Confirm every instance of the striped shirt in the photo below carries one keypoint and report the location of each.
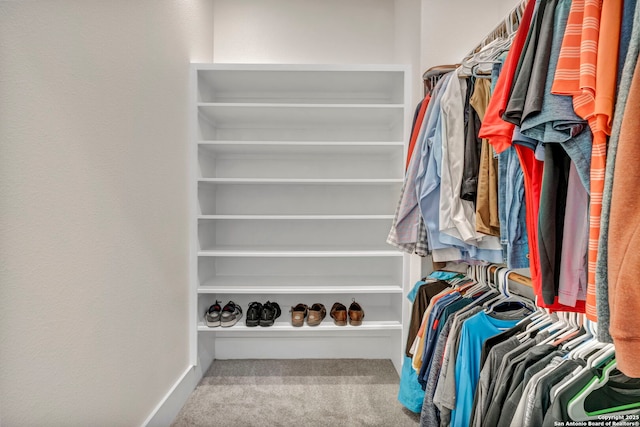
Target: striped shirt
(587, 71)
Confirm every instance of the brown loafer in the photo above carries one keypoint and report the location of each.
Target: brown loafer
(356, 314)
(298, 314)
(339, 314)
(316, 314)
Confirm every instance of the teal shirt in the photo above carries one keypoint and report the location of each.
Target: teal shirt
(473, 334)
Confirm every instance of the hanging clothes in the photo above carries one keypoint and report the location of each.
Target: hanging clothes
(496, 130)
(630, 39)
(515, 169)
(487, 216)
(454, 330)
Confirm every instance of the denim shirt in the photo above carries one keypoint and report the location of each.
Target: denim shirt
(512, 210)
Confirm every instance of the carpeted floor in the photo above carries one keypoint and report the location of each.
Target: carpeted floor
(301, 393)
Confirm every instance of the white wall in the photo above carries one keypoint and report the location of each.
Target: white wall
(407, 24)
(304, 31)
(93, 217)
(451, 28)
(93, 174)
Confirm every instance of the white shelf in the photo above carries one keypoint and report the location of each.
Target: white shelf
(300, 122)
(296, 174)
(286, 235)
(326, 326)
(269, 149)
(274, 253)
(297, 115)
(276, 161)
(299, 181)
(301, 284)
(329, 145)
(300, 290)
(297, 198)
(276, 105)
(308, 84)
(304, 274)
(295, 217)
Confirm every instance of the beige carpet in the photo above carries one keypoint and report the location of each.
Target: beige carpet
(319, 392)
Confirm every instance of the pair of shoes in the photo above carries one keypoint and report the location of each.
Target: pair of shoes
(340, 315)
(314, 314)
(225, 317)
(262, 314)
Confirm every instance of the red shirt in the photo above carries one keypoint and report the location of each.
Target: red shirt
(496, 130)
(416, 128)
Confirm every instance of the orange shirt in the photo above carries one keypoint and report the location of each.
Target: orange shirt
(624, 256)
(416, 128)
(567, 78)
(587, 71)
(600, 122)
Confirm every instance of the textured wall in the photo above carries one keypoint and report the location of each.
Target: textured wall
(93, 206)
(93, 174)
(304, 31)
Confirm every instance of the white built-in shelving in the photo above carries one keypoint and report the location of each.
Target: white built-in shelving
(296, 174)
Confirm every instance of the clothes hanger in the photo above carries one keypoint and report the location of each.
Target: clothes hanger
(599, 356)
(495, 44)
(557, 328)
(493, 285)
(534, 317)
(502, 277)
(480, 285)
(537, 326)
(590, 345)
(576, 410)
(572, 333)
(571, 329)
(543, 322)
(573, 343)
(602, 357)
(581, 351)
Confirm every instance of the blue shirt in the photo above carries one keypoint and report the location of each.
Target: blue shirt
(430, 333)
(473, 334)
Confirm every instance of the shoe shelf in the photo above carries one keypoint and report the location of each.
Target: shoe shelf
(296, 174)
(380, 311)
(282, 326)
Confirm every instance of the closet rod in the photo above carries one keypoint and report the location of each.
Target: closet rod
(509, 23)
(513, 18)
(515, 277)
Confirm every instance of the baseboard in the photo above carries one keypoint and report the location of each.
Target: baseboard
(169, 407)
(165, 412)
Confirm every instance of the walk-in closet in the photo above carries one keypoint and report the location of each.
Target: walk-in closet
(319, 213)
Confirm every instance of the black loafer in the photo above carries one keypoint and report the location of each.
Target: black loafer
(253, 314)
(270, 312)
